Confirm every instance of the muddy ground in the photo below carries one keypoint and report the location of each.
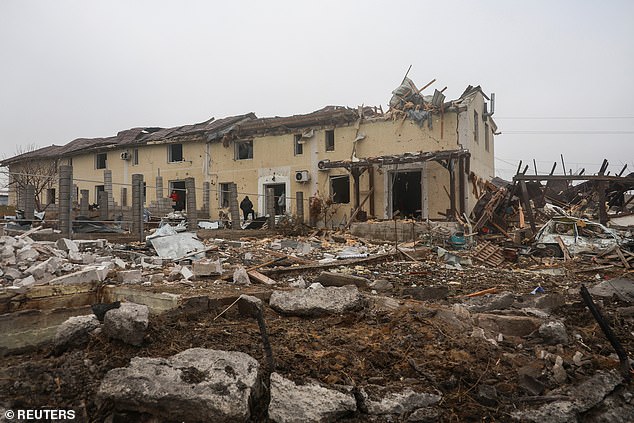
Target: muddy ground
(394, 342)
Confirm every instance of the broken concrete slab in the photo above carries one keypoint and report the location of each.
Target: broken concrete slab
(44, 268)
(341, 279)
(74, 332)
(240, 276)
(28, 281)
(397, 403)
(130, 276)
(381, 285)
(26, 254)
(307, 403)
(206, 267)
(127, 323)
(507, 325)
(620, 287)
(583, 397)
(157, 302)
(196, 385)
(67, 245)
(491, 302)
(425, 293)
(90, 274)
(317, 302)
(177, 246)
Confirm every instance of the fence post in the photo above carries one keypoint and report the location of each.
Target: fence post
(233, 206)
(65, 200)
(192, 212)
(299, 198)
(103, 205)
(206, 199)
(137, 205)
(29, 202)
(270, 206)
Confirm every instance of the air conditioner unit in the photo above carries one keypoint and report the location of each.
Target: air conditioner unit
(302, 176)
(125, 156)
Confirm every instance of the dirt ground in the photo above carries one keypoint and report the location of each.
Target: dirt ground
(389, 344)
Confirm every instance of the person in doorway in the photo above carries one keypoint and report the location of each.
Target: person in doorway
(281, 204)
(247, 207)
(174, 197)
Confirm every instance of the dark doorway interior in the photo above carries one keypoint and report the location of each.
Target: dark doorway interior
(406, 195)
(279, 191)
(179, 187)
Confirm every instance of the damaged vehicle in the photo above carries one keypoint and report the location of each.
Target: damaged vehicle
(578, 236)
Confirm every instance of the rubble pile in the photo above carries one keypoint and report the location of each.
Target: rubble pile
(336, 328)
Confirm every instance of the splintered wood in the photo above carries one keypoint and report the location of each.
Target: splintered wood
(488, 253)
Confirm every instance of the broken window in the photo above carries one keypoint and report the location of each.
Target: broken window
(476, 131)
(330, 140)
(101, 160)
(486, 136)
(340, 189)
(244, 150)
(175, 153)
(98, 189)
(50, 195)
(135, 156)
(299, 145)
(224, 195)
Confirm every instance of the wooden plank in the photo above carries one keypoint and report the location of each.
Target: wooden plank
(563, 247)
(259, 277)
(626, 264)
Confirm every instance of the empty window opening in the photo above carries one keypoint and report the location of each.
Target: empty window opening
(101, 160)
(406, 195)
(135, 156)
(178, 194)
(98, 190)
(244, 150)
(340, 189)
(330, 140)
(175, 153)
(486, 136)
(50, 196)
(476, 130)
(299, 145)
(223, 198)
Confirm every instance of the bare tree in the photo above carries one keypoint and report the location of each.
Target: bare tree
(30, 170)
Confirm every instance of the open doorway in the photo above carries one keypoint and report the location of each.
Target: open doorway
(406, 194)
(179, 193)
(279, 197)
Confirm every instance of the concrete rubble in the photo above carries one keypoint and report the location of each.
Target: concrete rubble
(356, 329)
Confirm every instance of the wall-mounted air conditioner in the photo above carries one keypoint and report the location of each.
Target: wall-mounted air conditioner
(125, 156)
(302, 176)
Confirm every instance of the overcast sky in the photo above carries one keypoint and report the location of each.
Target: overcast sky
(73, 69)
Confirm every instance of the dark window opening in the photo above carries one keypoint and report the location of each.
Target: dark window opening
(476, 130)
(135, 156)
(340, 189)
(406, 195)
(330, 140)
(175, 153)
(178, 194)
(299, 145)
(50, 194)
(486, 136)
(101, 160)
(98, 190)
(224, 195)
(244, 150)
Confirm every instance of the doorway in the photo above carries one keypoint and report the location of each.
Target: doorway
(178, 187)
(279, 197)
(406, 195)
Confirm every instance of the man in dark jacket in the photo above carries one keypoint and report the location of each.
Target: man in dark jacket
(247, 207)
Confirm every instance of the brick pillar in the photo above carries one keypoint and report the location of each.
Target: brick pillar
(270, 206)
(299, 211)
(159, 188)
(124, 197)
(137, 205)
(107, 185)
(233, 206)
(104, 210)
(29, 202)
(65, 200)
(192, 212)
(207, 199)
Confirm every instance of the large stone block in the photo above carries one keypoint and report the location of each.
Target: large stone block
(307, 403)
(316, 302)
(74, 332)
(196, 385)
(127, 323)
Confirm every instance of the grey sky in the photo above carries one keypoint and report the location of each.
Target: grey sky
(91, 68)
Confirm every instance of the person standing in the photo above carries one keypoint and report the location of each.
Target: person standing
(247, 207)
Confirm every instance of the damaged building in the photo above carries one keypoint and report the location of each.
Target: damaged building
(416, 161)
